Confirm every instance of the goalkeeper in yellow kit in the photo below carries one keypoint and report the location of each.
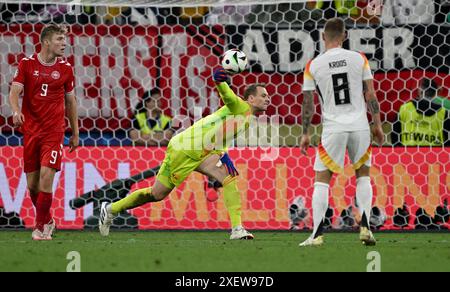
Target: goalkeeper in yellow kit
(202, 147)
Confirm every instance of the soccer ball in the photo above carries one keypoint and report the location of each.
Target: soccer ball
(234, 61)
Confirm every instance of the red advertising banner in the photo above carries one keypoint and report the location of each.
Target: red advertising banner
(415, 177)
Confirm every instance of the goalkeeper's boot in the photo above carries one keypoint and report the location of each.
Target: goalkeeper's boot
(39, 235)
(50, 228)
(366, 236)
(310, 241)
(105, 219)
(240, 233)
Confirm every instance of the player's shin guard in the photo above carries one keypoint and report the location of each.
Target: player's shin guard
(364, 199)
(44, 203)
(135, 199)
(320, 205)
(232, 200)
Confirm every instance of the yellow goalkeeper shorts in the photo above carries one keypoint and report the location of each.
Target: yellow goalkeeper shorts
(177, 166)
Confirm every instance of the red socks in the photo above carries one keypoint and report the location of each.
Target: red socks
(44, 203)
(34, 197)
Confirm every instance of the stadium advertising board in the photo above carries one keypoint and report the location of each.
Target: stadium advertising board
(415, 177)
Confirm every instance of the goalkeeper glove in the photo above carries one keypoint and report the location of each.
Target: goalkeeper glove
(220, 75)
(225, 159)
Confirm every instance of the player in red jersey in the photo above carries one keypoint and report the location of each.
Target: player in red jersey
(47, 84)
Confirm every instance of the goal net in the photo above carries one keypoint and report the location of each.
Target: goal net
(123, 52)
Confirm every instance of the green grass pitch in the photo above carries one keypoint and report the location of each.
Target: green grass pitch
(192, 251)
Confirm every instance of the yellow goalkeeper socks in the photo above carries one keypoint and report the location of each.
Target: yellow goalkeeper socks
(232, 200)
(135, 199)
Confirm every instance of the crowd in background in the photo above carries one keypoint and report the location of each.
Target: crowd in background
(392, 12)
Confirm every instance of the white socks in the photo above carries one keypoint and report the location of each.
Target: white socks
(364, 196)
(320, 201)
(319, 204)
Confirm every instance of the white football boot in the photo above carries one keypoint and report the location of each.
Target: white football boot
(366, 236)
(39, 235)
(240, 233)
(50, 228)
(310, 241)
(105, 219)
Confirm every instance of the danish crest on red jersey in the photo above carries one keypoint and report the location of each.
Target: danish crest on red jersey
(55, 75)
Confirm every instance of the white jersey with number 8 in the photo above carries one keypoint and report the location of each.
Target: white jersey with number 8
(338, 76)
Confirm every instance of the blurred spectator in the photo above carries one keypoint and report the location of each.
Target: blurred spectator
(111, 15)
(55, 13)
(150, 126)
(283, 14)
(421, 122)
(341, 7)
(360, 11)
(85, 14)
(338, 8)
(193, 15)
(45, 13)
(7, 10)
(228, 14)
(167, 15)
(399, 12)
(137, 16)
(444, 102)
(369, 12)
(346, 7)
(27, 13)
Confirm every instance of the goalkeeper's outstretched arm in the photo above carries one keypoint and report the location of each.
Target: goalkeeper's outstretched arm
(231, 100)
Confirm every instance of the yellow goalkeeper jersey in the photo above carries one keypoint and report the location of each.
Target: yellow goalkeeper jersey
(216, 131)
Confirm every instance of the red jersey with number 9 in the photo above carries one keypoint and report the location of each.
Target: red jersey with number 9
(44, 90)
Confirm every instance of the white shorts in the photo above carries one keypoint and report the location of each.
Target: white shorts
(331, 151)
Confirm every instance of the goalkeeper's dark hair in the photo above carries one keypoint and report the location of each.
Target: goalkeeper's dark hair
(334, 28)
(48, 31)
(252, 89)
